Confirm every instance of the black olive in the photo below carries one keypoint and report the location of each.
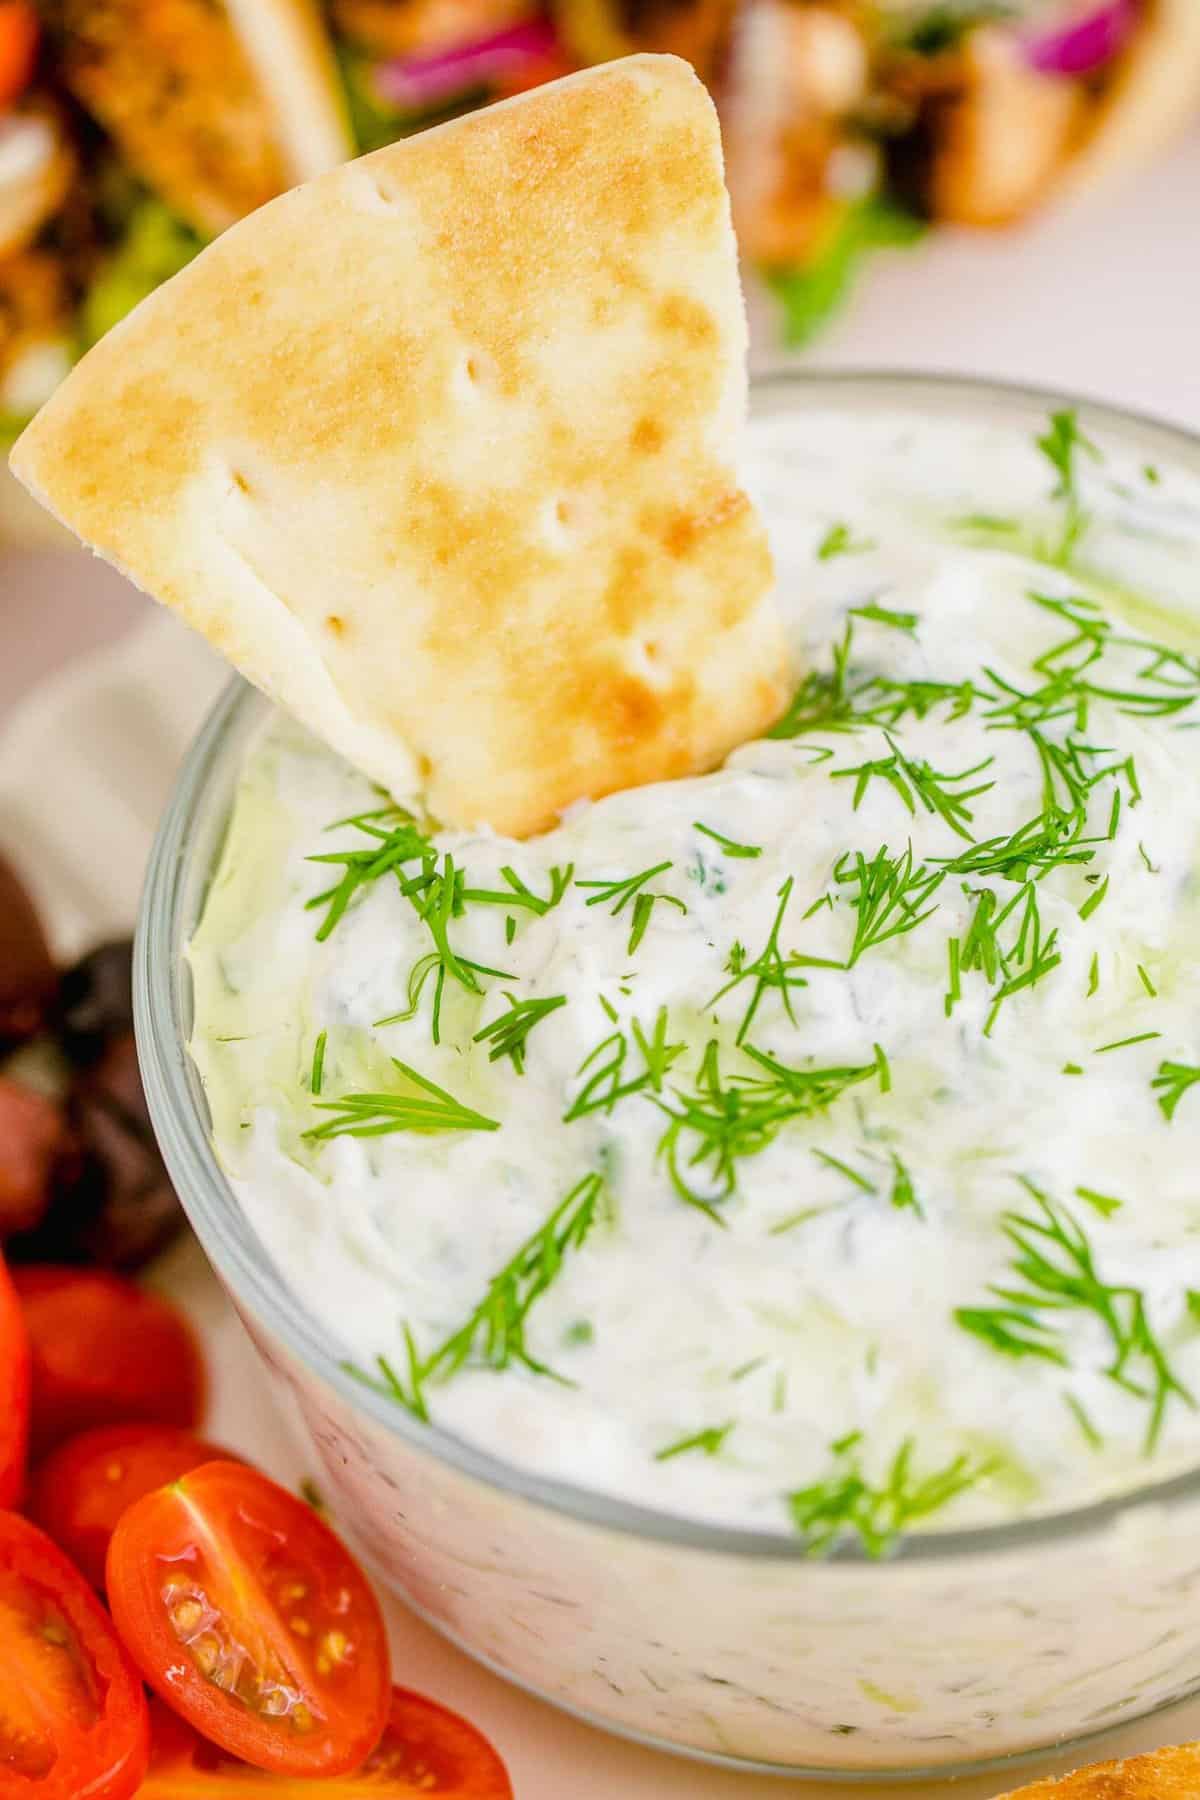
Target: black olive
(115, 1206)
(96, 1002)
(28, 981)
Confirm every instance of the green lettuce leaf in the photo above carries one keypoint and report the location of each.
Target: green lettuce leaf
(153, 246)
(810, 296)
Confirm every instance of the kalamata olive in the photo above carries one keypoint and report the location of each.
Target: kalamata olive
(27, 976)
(96, 1002)
(33, 1138)
(121, 1209)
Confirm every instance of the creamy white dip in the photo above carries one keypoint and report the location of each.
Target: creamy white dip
(938, 1260)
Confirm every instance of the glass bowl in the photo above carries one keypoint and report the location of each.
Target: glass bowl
(964, 1650)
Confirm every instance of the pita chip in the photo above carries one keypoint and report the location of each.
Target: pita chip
(439, 448)
(1171, 1774)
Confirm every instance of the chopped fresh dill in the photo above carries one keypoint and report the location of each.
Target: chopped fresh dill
(405, 1392)
(846, 1506)
(954, 980)
(1165, 681)
(991, 523)
(794, 1219)
(431, 1108)
(1060, 445)
(771, 970)
(623, 889)
(1054, 1265)
(396, 840)
(318, 1063)
(493, 1336)
(1083, 1420)
(892, 617)
(710, 1440)
(830, 700)
(1105, 1204)
(730, 847)
(1094, 974)
(892, 896)
(714, 1126)
(904, 1194)
(518, 893)
(839, 540)
(1172, 1083)
(748, 1368)
(608, 1081)
(1141, 1037)
(1094, 900)
(437, 897)
(1047, 841)
(1008, 968)
(1151, 868)
(509, 1034)
(914, 779)
(843, 1168)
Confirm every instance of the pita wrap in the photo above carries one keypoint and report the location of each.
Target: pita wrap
(438, 450)
(1172, 1774)
(1154, 93)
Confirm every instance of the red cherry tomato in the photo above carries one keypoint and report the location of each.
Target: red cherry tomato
(424, 1750)
(80, 1491)
(251, 1619)
(429, 1750)
(14, 1392)
(18, 48)
(105, 1352)
(73, 1719)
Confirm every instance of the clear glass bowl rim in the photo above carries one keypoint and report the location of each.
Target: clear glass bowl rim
(162, 1024)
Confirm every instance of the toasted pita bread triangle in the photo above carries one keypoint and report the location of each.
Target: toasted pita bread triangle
(437, 450)
(1172, 1774)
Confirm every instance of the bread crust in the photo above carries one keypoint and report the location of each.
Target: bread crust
(1171, 1774)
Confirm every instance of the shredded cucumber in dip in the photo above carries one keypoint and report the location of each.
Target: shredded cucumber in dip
(810, 1144)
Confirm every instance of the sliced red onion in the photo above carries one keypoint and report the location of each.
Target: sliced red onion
(1086, 42)
(418, 82)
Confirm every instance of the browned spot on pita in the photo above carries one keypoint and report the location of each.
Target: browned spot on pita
(648, 436)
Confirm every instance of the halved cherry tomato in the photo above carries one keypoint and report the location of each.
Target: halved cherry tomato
(73, 1718)
(83, 1487)
(18, 48)
(104, 1352)
(243, 1610)
(425, 1749)
(14, 1392)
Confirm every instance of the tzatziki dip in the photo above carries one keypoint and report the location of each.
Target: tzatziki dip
(812, 1145)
